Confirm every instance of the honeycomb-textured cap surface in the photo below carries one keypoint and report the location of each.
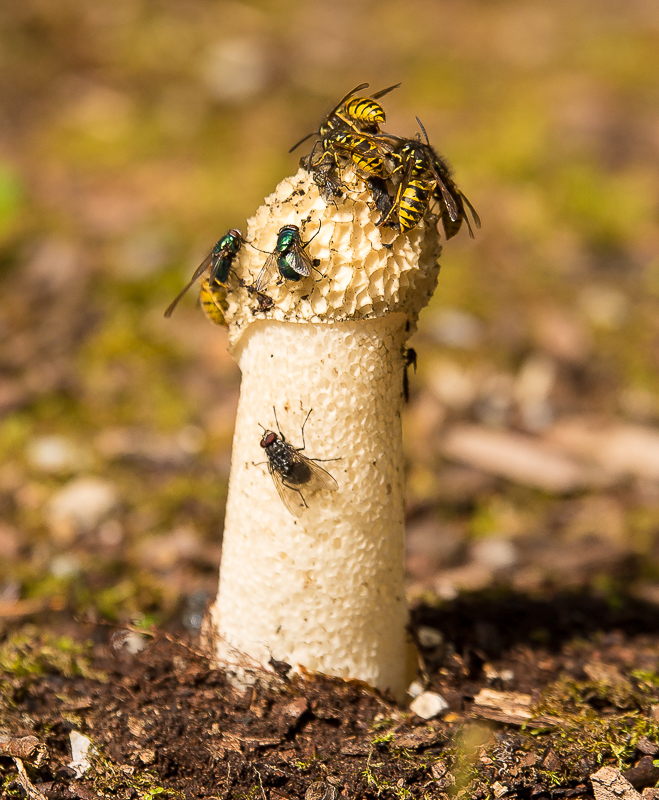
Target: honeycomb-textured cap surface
(363, 271)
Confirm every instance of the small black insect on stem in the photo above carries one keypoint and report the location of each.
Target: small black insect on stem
(410, 361)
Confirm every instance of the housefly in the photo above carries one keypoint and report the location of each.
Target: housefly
(292, 472)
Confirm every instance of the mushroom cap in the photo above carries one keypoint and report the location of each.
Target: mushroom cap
(361, 272)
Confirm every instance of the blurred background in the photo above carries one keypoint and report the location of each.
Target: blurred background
(133, 133)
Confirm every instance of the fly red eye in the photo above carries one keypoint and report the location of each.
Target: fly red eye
(268, 438)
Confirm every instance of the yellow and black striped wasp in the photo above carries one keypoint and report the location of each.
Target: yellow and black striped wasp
(359, 114)
(424, 176)
(213, 300)
(347, 135)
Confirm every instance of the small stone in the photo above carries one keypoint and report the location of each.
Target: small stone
(147, 756)
(429, 705)
(429, 638)
(496, 552)
(643, 773)
(319, 790)
(295, 708)
(646, 746)
(53, 454)
(82, 504)
(80, 749)
(415, 689)
(551, 762)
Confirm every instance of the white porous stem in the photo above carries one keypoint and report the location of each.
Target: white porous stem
(325, 590)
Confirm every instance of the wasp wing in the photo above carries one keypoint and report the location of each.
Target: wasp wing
(197, 273)
(267, 271)
(346, 98)
(382, 92)
(447, 197)
(291, 498)
(474, 214)
(395, 205)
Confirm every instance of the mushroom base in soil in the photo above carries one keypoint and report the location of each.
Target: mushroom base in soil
(323, 590)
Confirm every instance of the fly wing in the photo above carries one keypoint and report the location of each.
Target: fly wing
(302, 263)
(319, 480)
(291, 498)
(267, 271)
(197, 273)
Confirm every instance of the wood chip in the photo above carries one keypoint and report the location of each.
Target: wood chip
(550, 761)
(355, 748)
(609, 784)
(30, 789)
(603, 673)
(512, 708)
(518, 458)
(618, 448)
(417, 740)
(27, 748)
(295, 708)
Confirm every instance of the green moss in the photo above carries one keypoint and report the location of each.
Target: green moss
(33, 652)
(110, 780)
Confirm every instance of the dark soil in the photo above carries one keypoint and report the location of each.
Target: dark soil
(164, 720)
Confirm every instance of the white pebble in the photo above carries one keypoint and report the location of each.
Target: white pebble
(55, 454)
(429, 705)
(82, 503)
(80, 749)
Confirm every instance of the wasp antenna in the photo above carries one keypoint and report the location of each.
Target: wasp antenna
(308, 136)
(423, 129)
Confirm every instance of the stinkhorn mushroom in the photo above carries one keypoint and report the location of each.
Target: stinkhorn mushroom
(322, 589)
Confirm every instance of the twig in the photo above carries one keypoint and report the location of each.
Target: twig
(30, 789)
(27, 748)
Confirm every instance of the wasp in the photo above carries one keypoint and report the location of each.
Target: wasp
(361, 114)
(220, 259)
(293, 472)
(213, 299)
(365, 154)
(289, 257)
(427, 176)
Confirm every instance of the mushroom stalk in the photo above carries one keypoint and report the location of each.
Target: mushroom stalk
(323, 590)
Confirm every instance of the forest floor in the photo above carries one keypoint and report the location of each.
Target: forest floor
(539, 695)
